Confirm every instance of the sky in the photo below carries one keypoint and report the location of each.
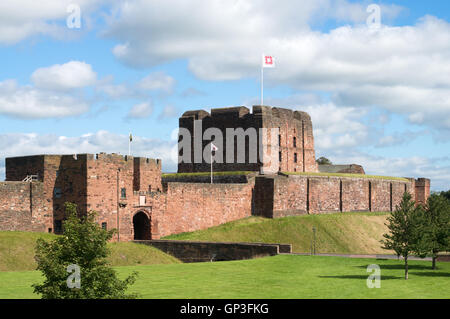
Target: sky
(79, 76)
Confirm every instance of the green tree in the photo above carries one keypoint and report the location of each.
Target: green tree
(446, 194)
(403, 229)
(323, 161)
(434, 230)
(82, 246)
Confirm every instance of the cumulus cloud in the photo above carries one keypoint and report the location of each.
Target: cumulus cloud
(29, 102)
(22, 144)
(169, 111)
(402, 69)
(157, 81)
(334, 127)
(70, 75)
(141, 110)
(399, 138)
(21, 19)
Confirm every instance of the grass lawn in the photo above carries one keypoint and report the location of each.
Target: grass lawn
(17, 250)
(283, 276)
(345, 233)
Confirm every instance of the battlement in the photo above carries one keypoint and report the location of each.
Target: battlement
(242, 112)
(295, 141)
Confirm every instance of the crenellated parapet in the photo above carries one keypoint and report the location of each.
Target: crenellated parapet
(292, 148)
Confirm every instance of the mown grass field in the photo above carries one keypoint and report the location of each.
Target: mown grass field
(17, 252)
(355, 233)
(283, 276)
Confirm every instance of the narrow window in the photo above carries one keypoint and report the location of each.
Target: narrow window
(123, 192)
(295, 141)
(295, 157)
(104, 226)
(57, 192)
(58, 226)
(279, 156)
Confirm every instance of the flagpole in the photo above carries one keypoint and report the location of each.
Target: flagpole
(211, 166)
(262, 84)
(129, 145)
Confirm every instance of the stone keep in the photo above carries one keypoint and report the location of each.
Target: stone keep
(294, 143)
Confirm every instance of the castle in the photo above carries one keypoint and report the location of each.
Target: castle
(131, 194)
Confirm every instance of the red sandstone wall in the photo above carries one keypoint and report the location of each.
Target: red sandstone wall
(147, 174)
(20, 207)
(298, 194)
(290, 196)
(17, 168)
(422, 189)
(194, 206)
(355, 195)
(324, 195)
(107, 174)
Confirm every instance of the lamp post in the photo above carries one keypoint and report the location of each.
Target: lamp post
(314, 240)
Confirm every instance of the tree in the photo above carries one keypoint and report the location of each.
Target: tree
(403, 229)
(83, 247)
(435, 230)
(323, 161)
(446, 194)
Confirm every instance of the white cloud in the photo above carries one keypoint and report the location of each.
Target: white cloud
(157, 81)
(29, 102)
(21, 19)
(403, 69)
(22, 144)
(169, 111)
(70, 75)
(141, 110)
(334, 127)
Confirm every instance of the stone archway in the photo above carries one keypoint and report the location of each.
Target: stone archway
(142, 226)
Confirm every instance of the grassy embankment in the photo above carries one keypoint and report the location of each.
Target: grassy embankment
(17, 252)
(355, 233)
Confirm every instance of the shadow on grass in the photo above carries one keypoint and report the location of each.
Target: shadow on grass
(400, 266)
(432, 274)
(363, 277)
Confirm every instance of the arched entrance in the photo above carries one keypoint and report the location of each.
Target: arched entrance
(141, 226)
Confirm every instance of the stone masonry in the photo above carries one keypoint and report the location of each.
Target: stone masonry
(129, 194)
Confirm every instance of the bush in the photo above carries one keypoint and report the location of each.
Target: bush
(82, 249)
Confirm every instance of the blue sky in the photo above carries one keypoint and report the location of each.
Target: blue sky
(378, 96)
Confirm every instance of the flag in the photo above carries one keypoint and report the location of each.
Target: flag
(131, 138)
(213, 148)
(268, 61)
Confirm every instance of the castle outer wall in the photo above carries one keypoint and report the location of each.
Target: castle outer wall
(290, 195)
(129, 194)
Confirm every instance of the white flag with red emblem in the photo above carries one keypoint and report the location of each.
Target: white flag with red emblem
(213, 148)
(268, 61)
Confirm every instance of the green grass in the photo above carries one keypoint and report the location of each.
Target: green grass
(347, 175)
(356, 233)
(17, 252)
(206, 174)
(283, 276)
